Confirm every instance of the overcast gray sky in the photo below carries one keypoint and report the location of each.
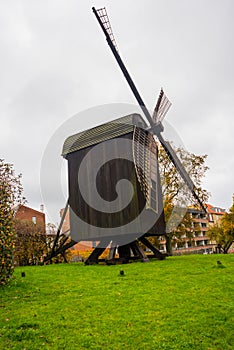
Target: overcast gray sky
(55, 62)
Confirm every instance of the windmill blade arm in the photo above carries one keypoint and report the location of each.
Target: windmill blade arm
(183, 173)
(103, 20)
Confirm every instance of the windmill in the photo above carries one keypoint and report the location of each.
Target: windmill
(146, 174)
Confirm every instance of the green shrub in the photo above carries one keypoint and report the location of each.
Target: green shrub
(10, 197)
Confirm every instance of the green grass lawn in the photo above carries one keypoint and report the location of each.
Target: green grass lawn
(182, 302)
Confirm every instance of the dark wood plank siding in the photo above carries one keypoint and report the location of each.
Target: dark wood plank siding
(108, 176)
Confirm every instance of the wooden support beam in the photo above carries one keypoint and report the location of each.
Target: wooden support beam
(138, 251)
(149, 245)
(111, 257)
(59, 229)
(60, 250)
(124, 253)
(93, 257)
(227, 246)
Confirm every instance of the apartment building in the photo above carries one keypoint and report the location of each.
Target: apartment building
(196, 240)
(214, 214)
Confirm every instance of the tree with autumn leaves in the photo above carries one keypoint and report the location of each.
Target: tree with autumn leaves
(177, 196)
(223, 231)
(31, 243)
(10, 198)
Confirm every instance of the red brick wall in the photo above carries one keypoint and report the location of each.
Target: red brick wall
(26, 213)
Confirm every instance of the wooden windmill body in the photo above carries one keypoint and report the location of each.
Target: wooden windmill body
(141, 170)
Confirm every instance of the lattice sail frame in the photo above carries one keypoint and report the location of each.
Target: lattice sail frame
(162, 106)
(106, 22)
(145, 160)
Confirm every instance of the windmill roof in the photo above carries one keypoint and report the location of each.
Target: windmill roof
(107, 131)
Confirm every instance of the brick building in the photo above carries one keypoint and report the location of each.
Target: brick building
(28, 214)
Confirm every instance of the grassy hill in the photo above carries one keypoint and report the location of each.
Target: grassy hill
(183, 302)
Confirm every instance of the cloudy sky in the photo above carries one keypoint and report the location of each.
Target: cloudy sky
(55, 63)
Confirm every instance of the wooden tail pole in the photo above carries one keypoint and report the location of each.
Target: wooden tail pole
(58, 231)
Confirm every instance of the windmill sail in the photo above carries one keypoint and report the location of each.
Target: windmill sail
(111, 42)
(102, 14)
(161, 108)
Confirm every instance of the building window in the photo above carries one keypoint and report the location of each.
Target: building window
(211, 217)
(34, 220)
(197, 234)
(189, 243)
